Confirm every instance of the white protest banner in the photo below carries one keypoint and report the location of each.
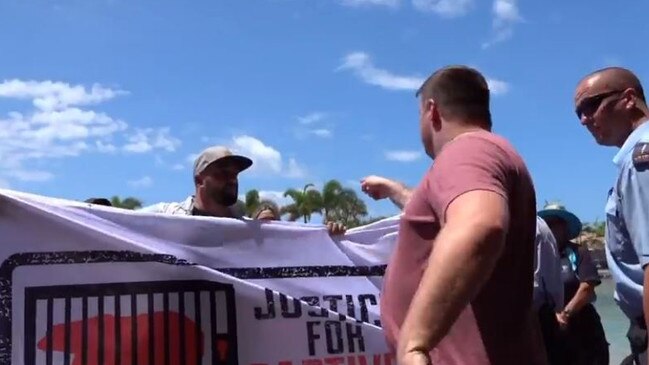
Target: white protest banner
(82, 284)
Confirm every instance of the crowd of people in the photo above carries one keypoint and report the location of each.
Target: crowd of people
(478, 275)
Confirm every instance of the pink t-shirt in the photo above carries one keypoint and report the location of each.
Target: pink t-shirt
(498, 327)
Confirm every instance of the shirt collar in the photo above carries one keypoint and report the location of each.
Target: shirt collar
(630, 142)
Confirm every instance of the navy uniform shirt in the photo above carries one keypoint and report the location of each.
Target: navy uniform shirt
(627, 222)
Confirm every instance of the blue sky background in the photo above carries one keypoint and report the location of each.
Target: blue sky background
(312, 90)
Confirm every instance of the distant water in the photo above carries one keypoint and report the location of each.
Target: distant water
(614, 321)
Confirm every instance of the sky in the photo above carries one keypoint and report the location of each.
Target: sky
(115, 97)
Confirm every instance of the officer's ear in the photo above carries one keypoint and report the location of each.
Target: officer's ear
(631, 98)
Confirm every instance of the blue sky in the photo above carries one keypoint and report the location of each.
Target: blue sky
(110, 97)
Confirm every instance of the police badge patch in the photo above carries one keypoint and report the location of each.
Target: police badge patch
(641, 156)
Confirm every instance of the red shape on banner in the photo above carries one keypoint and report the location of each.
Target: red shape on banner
(192, 351)
(222, 349)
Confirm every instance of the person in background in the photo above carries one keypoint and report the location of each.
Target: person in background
(216, 183)
(458, 287)
(270, 213)
(611, 104)
(583, 335)
(267, 212)
(548, 294)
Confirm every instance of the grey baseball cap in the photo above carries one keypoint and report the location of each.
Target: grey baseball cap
(220, 154)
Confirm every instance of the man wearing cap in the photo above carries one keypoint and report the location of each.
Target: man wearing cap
(611, 103)
(582, 331)
(216, 179)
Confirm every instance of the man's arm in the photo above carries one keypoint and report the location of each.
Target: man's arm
(464, 256)
(379, 187)
(634, 189)
(400, 195)
(589, 278)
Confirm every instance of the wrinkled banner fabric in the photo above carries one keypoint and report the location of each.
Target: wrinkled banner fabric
(95, 285)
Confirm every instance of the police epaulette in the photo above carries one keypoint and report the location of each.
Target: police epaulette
(641, 155)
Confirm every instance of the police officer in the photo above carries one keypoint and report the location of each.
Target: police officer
(611, 103)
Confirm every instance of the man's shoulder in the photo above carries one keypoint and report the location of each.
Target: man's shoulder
(543, 232)
(640, 154)
(483, 142)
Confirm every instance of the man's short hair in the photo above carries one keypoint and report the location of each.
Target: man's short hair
(460, 92)
(624, 75)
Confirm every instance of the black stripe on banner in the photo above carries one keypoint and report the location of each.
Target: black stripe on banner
(303, 271)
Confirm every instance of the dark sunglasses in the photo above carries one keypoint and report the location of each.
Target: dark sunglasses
(590, 105)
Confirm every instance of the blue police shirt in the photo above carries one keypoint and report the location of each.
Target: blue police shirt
(627, 222)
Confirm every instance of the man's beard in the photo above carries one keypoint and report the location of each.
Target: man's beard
(226, 196)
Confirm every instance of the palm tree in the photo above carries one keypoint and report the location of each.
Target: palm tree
(350, 210)
(331, 196)
(305, 202)
(128, 203)
(252, 202)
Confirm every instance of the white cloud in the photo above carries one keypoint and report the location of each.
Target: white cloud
(59, 123)
(31, 175)
(49, 95)
(264, 157)
(356, 3)
(105, 147)
(146, 140)
(445, 8)
(312, 118)
(160, 162)
(322, 132)
(294, 170)
(267, 160)
(276, 196)
(361, 64)
(498, 87)
(505, 16)
(143, 182)
(309, 120)
(402, 155)
(192, 158)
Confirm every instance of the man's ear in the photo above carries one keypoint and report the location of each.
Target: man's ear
(435, 116)
(631, 98)
(197, 180)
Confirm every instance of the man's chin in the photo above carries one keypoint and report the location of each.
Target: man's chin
(229, 202)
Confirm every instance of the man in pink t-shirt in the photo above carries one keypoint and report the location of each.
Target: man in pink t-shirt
(458, 288)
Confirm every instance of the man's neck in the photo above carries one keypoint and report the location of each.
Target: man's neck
(639, 122)
(203, 207)
(457, 131)
(634, 125)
